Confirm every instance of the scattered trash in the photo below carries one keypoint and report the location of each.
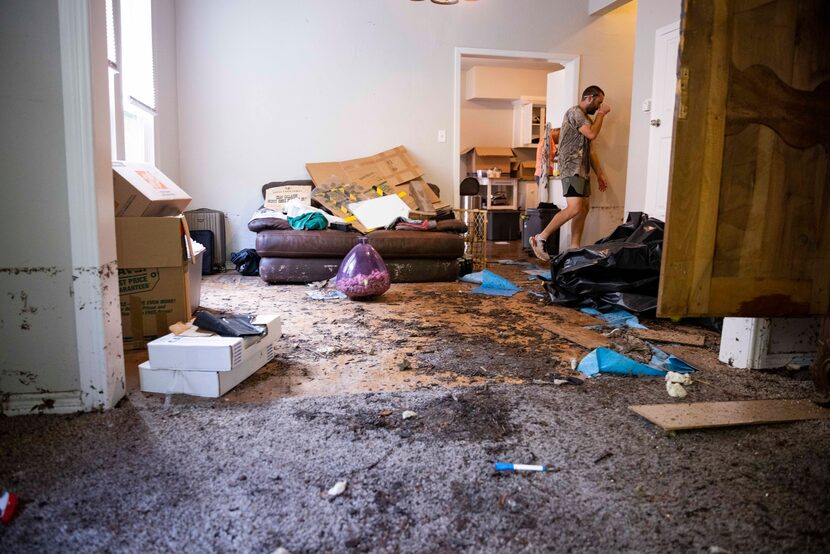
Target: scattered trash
(573, 363)
(228, 325)
(8, 506)
(536, 294)
(518, 263)
(604, 360)
(281, 550)
(504, 466)
(332, 294)
(558, 379)
(603, 457)
(475, 277)
(718, 550)
(616, 318)
(495, 285)
(385, 413)
(543, 274)
(338, 488)
(613, 332)
(319, 284)
(668, 362)
(326, 350)
(408, 414)
(675, 382)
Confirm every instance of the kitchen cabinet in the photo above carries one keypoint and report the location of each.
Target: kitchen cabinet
(528, 121)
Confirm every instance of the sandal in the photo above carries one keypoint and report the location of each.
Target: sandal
(539, 248)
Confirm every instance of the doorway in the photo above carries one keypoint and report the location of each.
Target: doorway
(511, 117)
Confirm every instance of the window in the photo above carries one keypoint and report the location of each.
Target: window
(131, 79)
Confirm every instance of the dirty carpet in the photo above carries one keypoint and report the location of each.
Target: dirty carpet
(250, 472)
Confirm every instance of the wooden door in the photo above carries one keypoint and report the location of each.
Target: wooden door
(747, 226)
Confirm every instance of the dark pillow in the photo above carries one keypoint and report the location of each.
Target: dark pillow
(268, 223)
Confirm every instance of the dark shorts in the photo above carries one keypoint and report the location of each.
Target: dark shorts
(576, 186)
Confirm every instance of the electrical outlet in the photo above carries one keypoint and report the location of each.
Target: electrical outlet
(442, 135)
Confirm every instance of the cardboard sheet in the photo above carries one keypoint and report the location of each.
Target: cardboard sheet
(393, 166)
(701, 415)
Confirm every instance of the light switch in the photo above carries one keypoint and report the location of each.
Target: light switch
(646, 105)
(442, 135)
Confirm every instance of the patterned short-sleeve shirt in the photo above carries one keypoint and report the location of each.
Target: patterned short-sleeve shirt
(574, 147)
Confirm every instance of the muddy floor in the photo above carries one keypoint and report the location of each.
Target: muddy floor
(249, 472)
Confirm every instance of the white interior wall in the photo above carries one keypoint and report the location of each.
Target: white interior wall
(164, 56)
(651, 15)
(38, 351)
(265, 87)
(490, 122)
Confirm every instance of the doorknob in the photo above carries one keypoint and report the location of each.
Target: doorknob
(655, 122)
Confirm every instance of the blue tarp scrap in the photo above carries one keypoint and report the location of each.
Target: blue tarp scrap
(605, 360)
(543, 274)
(668, 362)
(616, 318)
(475, 278)
(495, 285)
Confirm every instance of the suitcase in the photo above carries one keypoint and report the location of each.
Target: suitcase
(205, 219)
(205, 238)
(534, 221)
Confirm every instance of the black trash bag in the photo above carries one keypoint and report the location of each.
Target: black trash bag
(246, 262)
(621, 270)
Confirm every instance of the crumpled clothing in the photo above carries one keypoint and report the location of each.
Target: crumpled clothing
(296, 207)
(404, 223)
(310, 221)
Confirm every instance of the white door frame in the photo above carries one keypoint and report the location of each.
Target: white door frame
(651, 202)
(83, 43)
(570, 62)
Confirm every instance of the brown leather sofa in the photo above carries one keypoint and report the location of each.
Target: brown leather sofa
(292, 256)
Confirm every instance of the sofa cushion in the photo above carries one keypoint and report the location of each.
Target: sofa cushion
(336, 244)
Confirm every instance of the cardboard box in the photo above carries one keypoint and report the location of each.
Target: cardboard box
(277, 197)
(213, 353)
(489, 157)
(154, 276)
(211, 384)
(142, 190)
(526, 170)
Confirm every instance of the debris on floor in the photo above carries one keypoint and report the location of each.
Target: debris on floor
(605, 360)
(338, 488)
(331, 294)
(701, 415)
(408, 414)
(8, 506)
(504, 466)
(675, 382)
(493, 284)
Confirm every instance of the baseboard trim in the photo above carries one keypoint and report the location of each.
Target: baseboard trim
(41, 403)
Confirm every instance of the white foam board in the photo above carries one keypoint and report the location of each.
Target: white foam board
(210, 384)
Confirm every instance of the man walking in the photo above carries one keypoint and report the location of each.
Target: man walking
(576, 158)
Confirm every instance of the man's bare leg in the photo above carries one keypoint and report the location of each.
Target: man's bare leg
(576, 206)
(578, 222)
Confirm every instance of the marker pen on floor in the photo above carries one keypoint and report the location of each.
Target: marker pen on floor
(504, 466)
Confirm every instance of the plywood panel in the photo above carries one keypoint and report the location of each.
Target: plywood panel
(700, 415)
(748, 225)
